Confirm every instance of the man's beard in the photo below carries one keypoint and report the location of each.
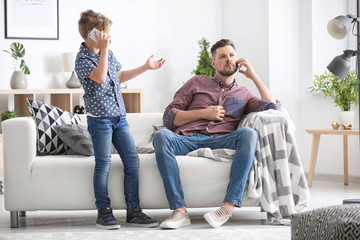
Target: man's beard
(225, 73)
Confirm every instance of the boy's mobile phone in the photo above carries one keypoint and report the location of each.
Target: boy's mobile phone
(237, 67)
(92, 34)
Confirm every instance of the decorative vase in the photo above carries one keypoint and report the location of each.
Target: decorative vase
(18, 80)
(347, 119)
(73, 82)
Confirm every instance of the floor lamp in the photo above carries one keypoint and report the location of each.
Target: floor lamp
(340, 65)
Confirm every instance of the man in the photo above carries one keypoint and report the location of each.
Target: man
(205, 112)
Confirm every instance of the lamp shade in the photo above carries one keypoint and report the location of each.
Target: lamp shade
(339, 26)
(69, 61)
(340, 65)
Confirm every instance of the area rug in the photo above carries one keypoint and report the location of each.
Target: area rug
(275, 233)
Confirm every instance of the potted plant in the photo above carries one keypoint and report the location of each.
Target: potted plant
(18, 79)
(8, 114)
(343, 91)
(204, 63)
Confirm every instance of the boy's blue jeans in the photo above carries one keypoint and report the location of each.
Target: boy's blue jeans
(167, 144)
(104, 132)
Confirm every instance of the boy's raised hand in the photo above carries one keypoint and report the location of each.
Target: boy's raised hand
(151, 64)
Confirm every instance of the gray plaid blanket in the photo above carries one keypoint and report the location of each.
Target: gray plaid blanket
(276, 180)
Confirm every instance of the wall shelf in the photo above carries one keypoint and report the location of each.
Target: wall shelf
(64, 98)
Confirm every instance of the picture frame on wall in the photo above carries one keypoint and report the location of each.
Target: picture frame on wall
(32, 19)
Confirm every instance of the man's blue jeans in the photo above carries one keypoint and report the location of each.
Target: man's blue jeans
(168, 144)
(104, 132)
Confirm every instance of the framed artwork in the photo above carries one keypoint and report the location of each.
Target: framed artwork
(32, 19)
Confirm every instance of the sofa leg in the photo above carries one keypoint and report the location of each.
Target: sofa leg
(14, 219)
(22, 213)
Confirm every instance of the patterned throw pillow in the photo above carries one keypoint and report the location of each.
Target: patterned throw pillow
(76, 137)
(46, 117)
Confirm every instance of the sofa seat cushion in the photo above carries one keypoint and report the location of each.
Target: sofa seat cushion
(65, 183)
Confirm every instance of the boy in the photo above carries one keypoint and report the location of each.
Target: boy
(100, 76)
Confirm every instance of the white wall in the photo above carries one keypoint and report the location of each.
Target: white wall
(284, 50)
(286, 41)
(245, 23)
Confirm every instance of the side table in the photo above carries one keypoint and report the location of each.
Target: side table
(315, 146)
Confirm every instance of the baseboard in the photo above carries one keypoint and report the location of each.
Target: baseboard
(334, 177)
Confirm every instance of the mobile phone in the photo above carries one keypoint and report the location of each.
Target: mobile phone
(237, 67)
(92, 34)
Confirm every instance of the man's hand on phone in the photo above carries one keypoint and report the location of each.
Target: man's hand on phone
(246, 68)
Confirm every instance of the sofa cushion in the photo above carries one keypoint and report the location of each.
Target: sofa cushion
(76, 137)
(46, 117)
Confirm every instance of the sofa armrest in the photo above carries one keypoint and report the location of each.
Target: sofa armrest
(19, 139)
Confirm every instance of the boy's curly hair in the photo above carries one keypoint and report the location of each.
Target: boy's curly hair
(90, 19)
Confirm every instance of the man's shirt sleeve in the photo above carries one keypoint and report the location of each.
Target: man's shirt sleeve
(255, 104)
(182, 99)
(270, 105)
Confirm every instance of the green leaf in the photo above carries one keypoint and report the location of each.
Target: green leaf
(17, 49)
(24, 68)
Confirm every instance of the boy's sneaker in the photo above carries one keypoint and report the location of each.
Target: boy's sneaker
(106, 220)
(177, 219)
(218, 217)
(136, 218)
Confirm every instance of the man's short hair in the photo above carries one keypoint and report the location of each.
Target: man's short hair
(90, 19)
(219, 44)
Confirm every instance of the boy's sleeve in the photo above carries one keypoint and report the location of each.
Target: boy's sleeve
(117, 64)
(84, 66)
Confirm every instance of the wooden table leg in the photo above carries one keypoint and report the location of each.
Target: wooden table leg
(346, 175)
(314, 151)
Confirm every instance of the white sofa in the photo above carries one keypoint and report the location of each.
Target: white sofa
(64, 182)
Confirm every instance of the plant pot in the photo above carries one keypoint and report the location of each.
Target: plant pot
(18, 80)
(347, 119)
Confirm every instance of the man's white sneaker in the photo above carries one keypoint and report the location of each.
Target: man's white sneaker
(218, 217)
(177, 219)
